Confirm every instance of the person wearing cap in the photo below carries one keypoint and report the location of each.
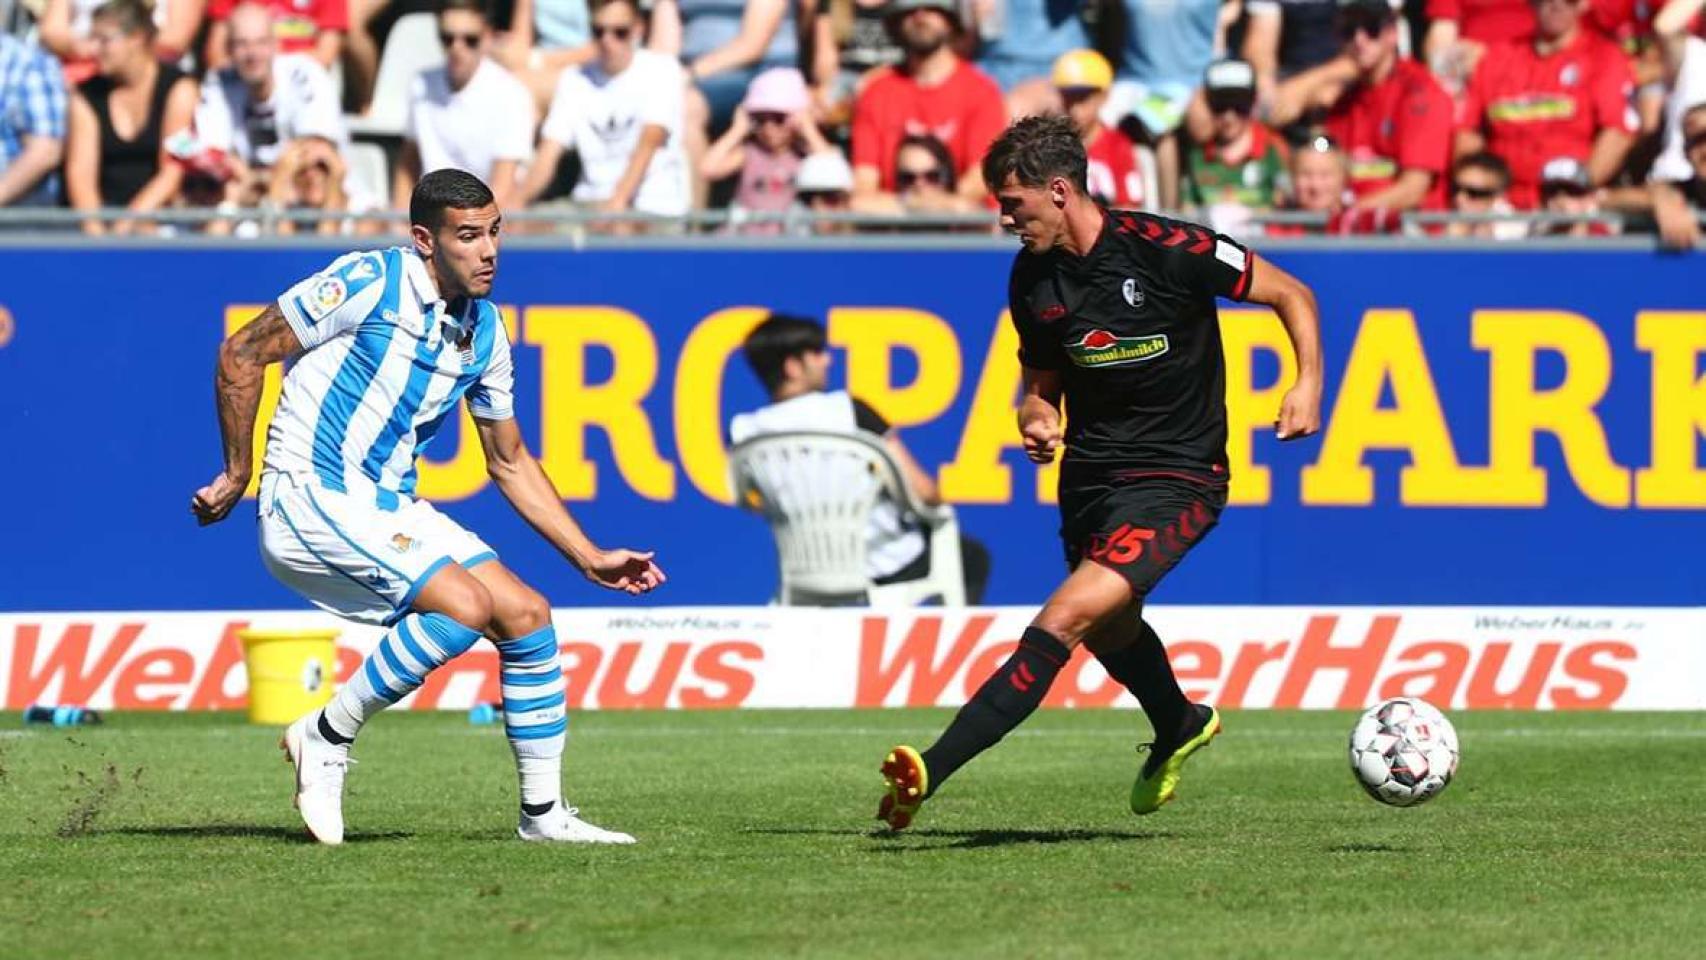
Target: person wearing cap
(1563, 93)
(1240, 167)
(1120, 173)
(824, 185)
(1164, 49)
(623, 114)
(1567, 188)
(932, 91)
(1387, 112)
(772, 132)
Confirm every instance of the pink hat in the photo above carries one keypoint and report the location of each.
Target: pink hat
(777, 90)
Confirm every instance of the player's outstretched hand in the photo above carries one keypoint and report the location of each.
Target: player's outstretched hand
(631, 571)
(1300, 413)
(213, 502)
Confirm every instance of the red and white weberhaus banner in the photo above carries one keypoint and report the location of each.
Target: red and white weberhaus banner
(732, 657)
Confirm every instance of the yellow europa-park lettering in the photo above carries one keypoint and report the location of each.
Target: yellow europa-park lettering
(1387, 355)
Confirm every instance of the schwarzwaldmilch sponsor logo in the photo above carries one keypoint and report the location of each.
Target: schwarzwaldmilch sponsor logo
(1099, 348)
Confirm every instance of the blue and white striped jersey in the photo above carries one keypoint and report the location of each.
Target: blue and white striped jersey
(384, 365)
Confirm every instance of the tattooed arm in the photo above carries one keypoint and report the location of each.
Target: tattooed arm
(243, 361)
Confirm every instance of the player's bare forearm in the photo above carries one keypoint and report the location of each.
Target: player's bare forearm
(524, 484)
(1039, 414)
(1294, 302)
(243, 362)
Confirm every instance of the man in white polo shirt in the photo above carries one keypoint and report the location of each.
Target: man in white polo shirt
(623, 114)
(470, 114)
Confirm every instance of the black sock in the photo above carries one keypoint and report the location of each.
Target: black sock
(1002, 703)
(332, 736)
(538, 809)
(1143, 669)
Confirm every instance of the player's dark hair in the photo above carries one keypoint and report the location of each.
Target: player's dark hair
(777, 340)
(477, 7)
(1488, 161)
(1034, 151)
(443, 190)
(130, 16)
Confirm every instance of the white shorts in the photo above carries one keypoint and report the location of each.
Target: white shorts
(346, 556)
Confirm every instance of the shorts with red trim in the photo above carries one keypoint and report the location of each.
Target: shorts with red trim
(1138, 523)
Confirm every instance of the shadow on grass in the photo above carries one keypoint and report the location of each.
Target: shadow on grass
(967, 839)
(1367, 848)
(244, 831)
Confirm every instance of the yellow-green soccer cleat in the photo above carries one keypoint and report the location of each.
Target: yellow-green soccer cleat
(1160, 774)
(907, 784)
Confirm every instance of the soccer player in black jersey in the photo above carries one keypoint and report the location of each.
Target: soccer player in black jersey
(1116, 315)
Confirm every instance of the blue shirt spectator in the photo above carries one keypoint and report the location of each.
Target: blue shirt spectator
(32, 124)
(1166, 47)
(1022, 38)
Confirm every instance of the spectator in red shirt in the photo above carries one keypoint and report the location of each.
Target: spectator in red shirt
(1460, 31)
(932, 92)
(1119, 175)
(314, 27)
(1388, 113)
(1565, 93)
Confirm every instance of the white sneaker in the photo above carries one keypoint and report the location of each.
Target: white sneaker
(561, 825)
(320, 767)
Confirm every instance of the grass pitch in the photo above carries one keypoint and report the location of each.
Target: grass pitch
(1570, 835)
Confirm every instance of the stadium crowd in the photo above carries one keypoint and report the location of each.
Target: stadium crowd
(1275, 116)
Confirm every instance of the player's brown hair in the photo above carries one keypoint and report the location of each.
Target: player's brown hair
(1034, 151)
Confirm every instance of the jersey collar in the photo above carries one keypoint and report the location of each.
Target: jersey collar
(433, 305)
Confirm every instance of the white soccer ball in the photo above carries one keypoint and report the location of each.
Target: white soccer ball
(1403, 751)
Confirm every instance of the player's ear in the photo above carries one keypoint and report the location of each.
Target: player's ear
(1057, 191)
(423, 240)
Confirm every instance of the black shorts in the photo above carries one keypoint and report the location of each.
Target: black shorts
(1137, 523)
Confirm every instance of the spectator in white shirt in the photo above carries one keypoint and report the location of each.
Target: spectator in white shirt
(623, 114)
(253, 111)
(470, 114)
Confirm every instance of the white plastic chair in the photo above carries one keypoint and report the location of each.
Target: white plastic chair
(817, 491)
(370, 169)
(411, 47)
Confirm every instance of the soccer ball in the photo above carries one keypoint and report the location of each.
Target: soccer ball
(1403, 751)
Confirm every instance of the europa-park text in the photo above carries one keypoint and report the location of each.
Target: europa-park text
(1546, 375)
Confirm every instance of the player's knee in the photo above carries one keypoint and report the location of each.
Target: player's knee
(470, 605)
(1069, 625)
(525, 613)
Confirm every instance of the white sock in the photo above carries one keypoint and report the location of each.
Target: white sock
(536, 719)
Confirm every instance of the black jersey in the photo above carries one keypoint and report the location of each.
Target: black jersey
(1133, 330)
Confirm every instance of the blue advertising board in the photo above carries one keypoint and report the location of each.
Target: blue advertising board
(1517, 427)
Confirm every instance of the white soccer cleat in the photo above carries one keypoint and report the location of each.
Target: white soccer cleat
(561, 825)
(320, 768)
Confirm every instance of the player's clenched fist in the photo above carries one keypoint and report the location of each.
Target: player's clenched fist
(212, 502)
(1300, 412)
(1041, 435)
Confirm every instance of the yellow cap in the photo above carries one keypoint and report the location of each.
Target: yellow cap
(1083, 70)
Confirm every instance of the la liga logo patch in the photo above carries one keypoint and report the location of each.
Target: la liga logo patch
(1099, 348)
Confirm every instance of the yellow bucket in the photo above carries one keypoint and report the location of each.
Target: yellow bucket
(290, 672)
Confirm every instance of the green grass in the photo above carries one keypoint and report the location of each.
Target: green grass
(1570, 835)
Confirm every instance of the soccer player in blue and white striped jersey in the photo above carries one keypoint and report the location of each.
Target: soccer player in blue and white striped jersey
(386, 343)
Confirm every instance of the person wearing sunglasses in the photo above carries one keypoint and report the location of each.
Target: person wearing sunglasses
(1563, 93)
(1239, 168)
(1567, 188)
(772, 134)
(1684, 56)
(623, 114)
(1679, 202)
(470, 114)
(1387, 112)
(1479, 182)
(934, 91)
(924, 177)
